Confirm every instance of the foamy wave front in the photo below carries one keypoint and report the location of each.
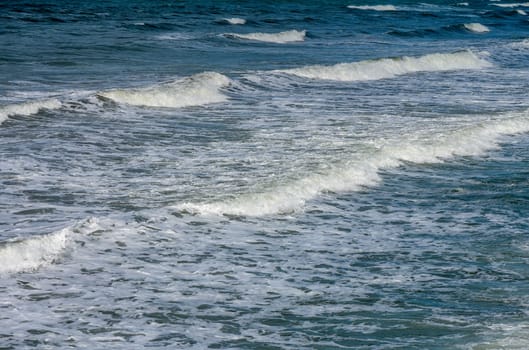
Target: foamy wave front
(278, 38)
(357, 174)
(235, 20)
(27, 108)
(477, 28)
(196, 90)
(391, 67)
(31, 253)
(520, 4)
(374, 7)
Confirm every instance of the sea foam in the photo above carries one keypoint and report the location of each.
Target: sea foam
(360, 173)
(27, 108)
(31, 253)
(391, 67)
(477, 28)
(196, 90)
(278, 38)
(374, 7)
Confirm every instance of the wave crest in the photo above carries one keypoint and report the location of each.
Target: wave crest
(278, 38)
(32, 253)
(196, 90)
(374, 7)
(477, 27)
(27, 108)
(355, 175)
(391, 67)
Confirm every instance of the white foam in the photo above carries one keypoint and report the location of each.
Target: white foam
(31, 253)
(235, 20)
(524, 44)
(477, 28)
(27, 108)
(391, 67)
(361, 172)
(463, 4)
(374, 7)
(278, 38)
(196, 90)
(521, 12)
(524, 4)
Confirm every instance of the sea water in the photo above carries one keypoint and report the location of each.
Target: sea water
(264, 174)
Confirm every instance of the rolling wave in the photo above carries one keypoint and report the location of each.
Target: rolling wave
(374, 7)
(355, 175)
(196, 90)
(391, 67)
(234, 20)
(278, 38)
(27, 108)
(477, 28)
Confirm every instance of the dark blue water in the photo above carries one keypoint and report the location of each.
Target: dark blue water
(264, 175)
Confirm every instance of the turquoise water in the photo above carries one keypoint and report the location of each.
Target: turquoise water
(264, 175)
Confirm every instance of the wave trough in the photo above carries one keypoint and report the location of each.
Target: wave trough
(196, 90)
(391, 67)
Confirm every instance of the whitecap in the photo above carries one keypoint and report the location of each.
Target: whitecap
(27, 108)
(522, 4)
(357, 174)
(374, 7)
(235, 20)
(31, 253)
(391, 67)
(477, 28)
(521, 12)
(196, 90)
(278, 38)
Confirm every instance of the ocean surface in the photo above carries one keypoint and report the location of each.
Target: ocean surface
(264, 174)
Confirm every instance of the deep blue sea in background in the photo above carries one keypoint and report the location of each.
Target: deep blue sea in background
(264, 174)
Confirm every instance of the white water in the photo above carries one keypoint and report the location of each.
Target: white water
(477, 28)
(521, 12)
(374, 7)
(524, 4)
(27, 108)
(358, 173)
(31, 253)
(391, 67)
(196, 90)
(278, 38)
(235, 20)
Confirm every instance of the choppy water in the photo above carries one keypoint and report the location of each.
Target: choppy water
(264, 175)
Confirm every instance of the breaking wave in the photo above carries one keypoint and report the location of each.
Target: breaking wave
(374, 7)
(234, 20)
(27, 108)
(477, 28)
(196, 90)
(278, 38)
(513, 5)
(31, 253)
(355, 175)
(391, 67)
